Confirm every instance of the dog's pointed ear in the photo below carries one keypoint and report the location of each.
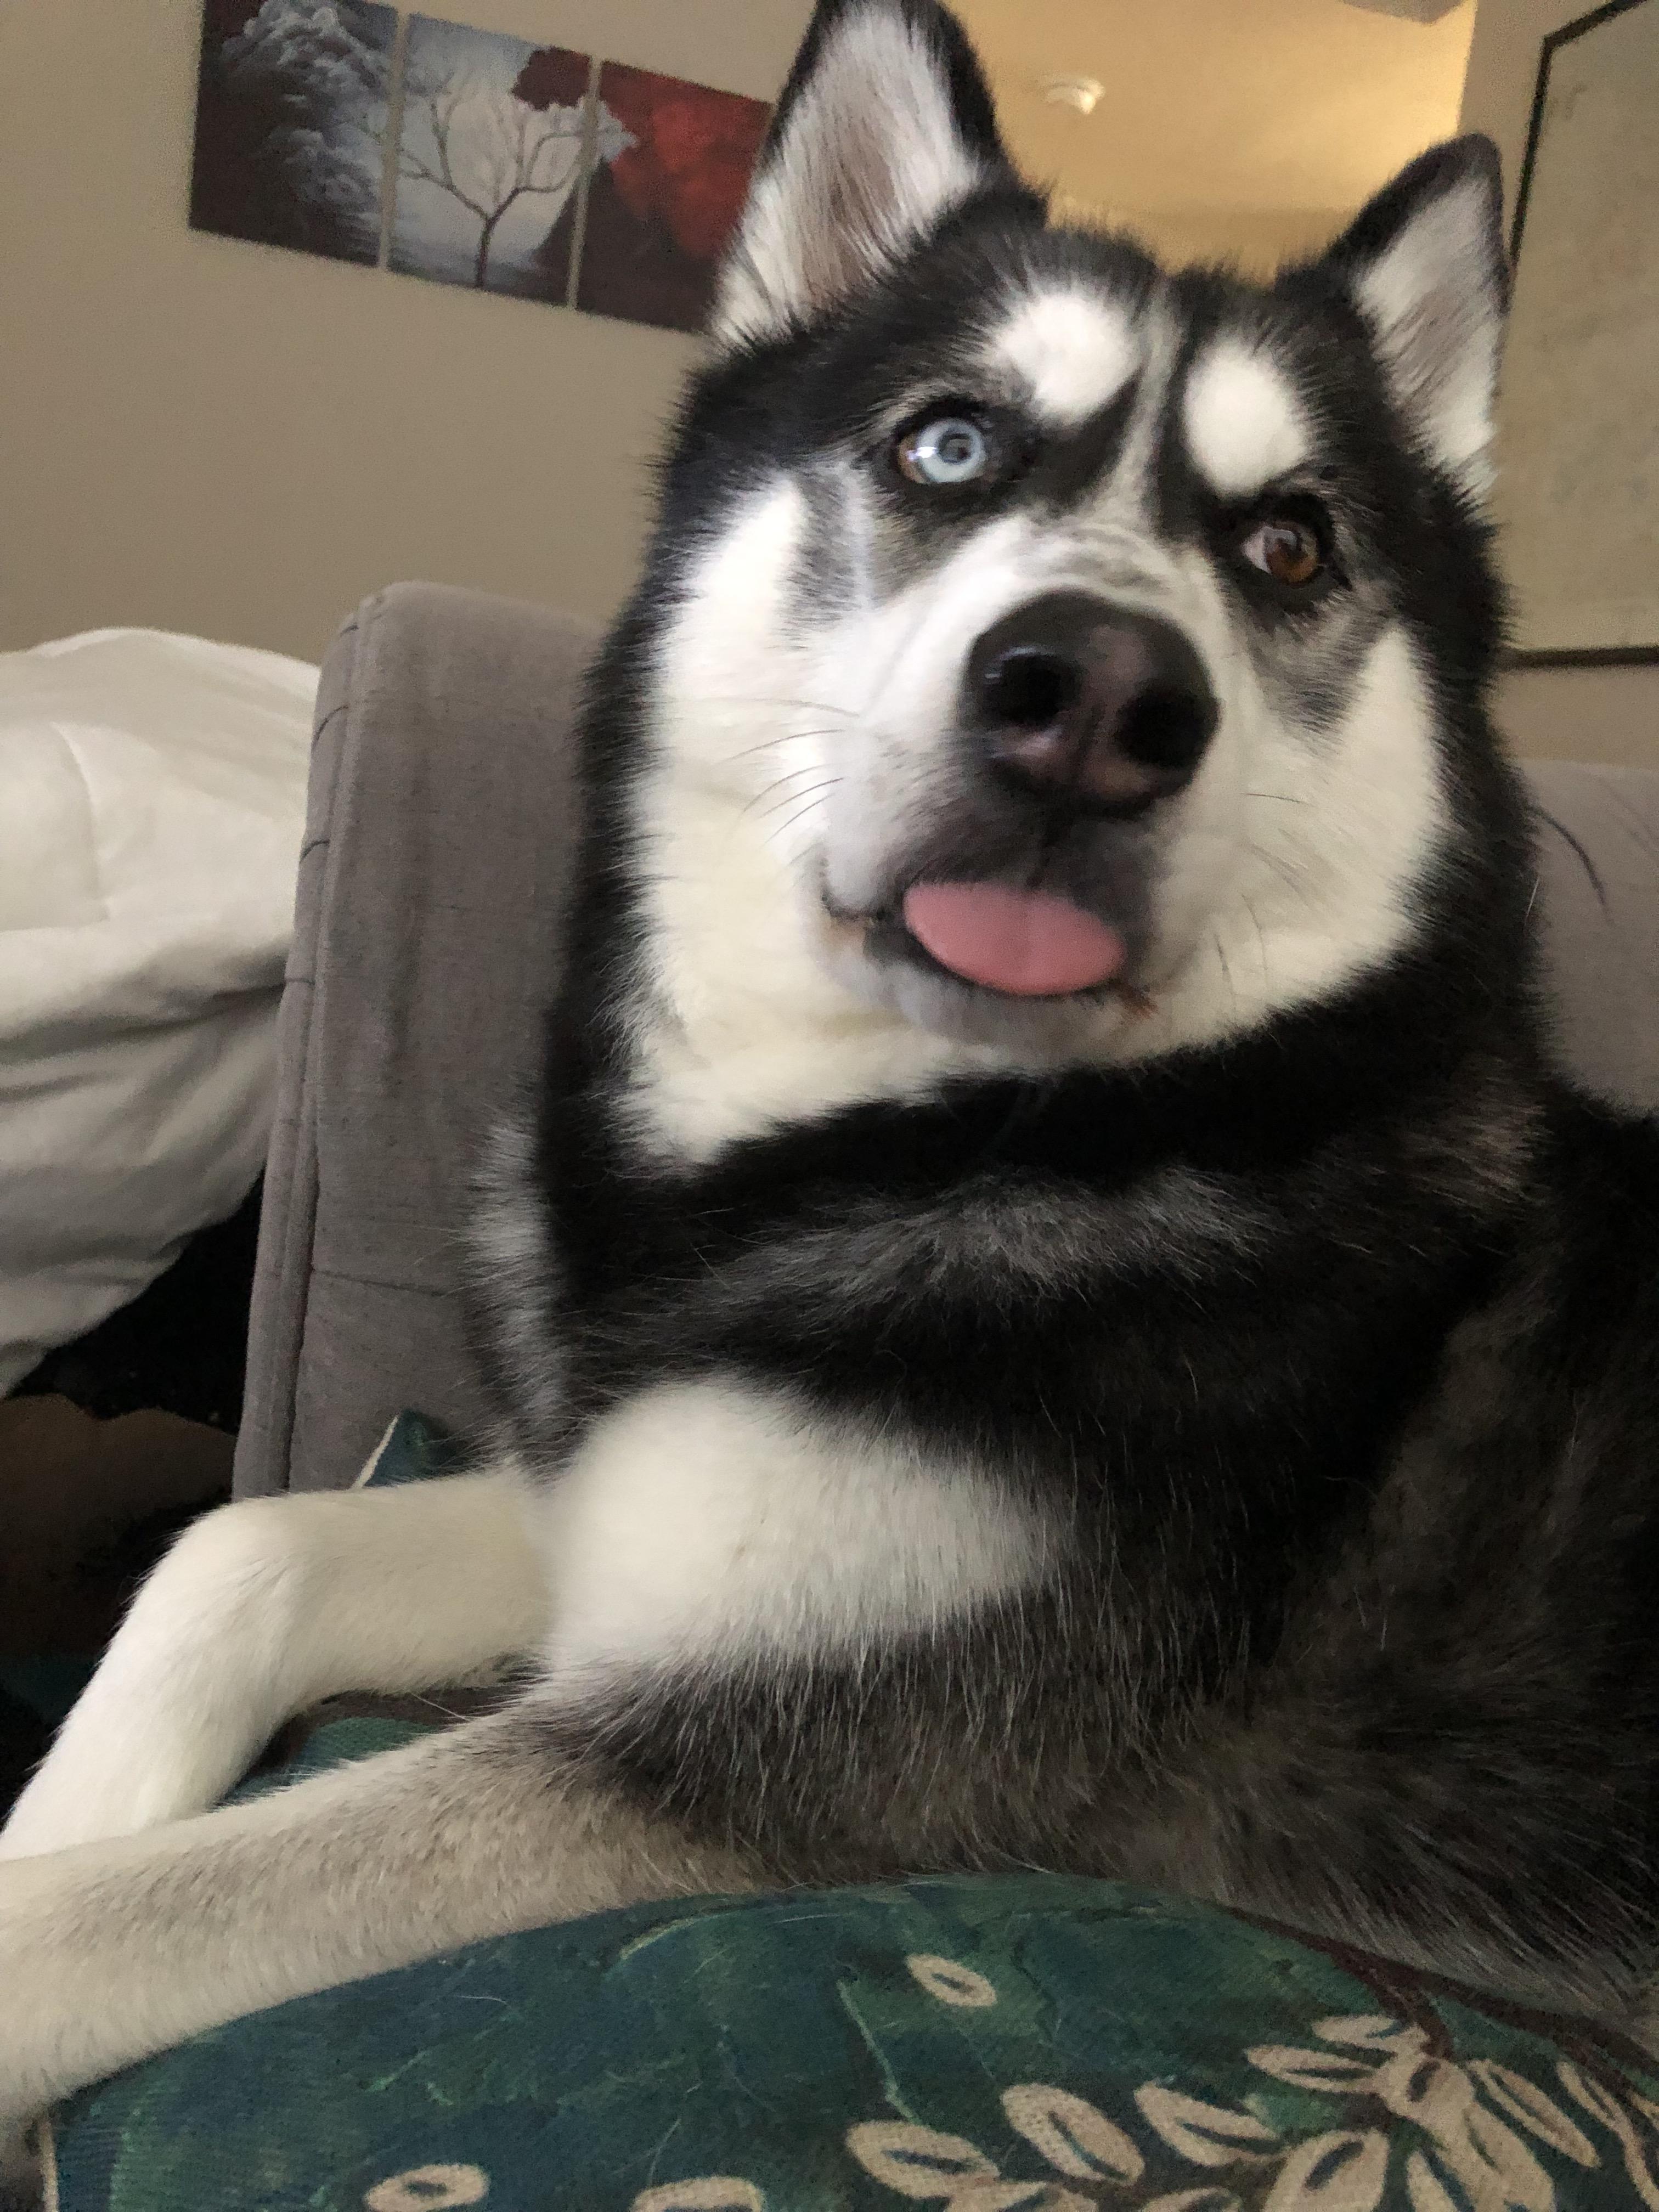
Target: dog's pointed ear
(1425, 263)
(884, 123)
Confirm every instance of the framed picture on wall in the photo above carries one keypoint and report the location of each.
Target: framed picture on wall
(468, 156)
(291, 107)
(1579, 487)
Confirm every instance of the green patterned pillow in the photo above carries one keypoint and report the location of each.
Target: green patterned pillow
(982, 2045)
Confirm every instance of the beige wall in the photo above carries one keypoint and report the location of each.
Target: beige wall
(230, 439)
(1577, 714)
(224, 438)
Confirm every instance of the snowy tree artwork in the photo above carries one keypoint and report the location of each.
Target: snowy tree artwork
(290, 117)
(489, 159)
(666, 193)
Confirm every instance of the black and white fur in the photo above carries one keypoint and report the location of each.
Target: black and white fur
(1199, 1429)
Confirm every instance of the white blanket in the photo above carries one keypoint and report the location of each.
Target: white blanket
(152, 800)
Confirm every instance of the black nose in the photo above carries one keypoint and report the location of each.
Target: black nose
(1088, 707)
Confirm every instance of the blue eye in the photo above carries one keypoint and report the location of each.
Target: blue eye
(948, 450)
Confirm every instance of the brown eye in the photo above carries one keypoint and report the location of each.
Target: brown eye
(1286, 549)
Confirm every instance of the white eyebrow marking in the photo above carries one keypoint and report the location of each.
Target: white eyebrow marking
(1075, 352)
(1244, 424)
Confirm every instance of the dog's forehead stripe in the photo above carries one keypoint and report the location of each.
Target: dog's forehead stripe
(1074, 352)
(1245, 425)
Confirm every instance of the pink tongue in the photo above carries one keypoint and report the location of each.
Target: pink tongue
(1028, 943)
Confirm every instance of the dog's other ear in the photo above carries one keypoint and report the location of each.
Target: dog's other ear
(883, 124)
(1425, 263)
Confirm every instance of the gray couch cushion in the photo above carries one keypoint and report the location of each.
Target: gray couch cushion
(1599, 901)
(431, 883)
(431, 893)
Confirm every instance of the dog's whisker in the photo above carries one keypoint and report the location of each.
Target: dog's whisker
(1260, 938)
(811, 800)
(764, 745)
(771, 744)
(1226, 970)
(801, 798)
(760, 699)
(792, 798)
(789, 775)
(1286, 876)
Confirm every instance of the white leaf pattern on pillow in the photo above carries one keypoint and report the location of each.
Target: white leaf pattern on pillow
(1327, 2070)
(1343, 2172)
(428, 2189)
(1603, 2106)
(712, 2193)
(1524, 2101)
(951, 1983)
(1074, 2135)
(931, 2167)
(1209, 2135)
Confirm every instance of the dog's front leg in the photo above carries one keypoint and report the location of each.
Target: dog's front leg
(264, 1607)
(115, 1950)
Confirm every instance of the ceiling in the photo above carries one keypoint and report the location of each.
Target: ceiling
(1247, 130)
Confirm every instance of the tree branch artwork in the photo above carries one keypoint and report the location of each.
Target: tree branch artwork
(489, 151)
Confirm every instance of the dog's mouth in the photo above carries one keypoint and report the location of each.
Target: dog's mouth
(1025, 943)
(1018, 942)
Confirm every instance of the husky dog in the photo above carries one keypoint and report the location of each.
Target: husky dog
(1054, 1312)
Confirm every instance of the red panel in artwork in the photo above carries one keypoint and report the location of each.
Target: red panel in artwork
(661, 208)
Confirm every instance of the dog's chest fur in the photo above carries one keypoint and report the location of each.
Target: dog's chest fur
(1096, 1526)
(864, 1393)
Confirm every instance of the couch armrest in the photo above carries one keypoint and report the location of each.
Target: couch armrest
(1598, 845)
(432, 885)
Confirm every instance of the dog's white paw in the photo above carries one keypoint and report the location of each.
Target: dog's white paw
(173, 1715)
(102, 1779)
